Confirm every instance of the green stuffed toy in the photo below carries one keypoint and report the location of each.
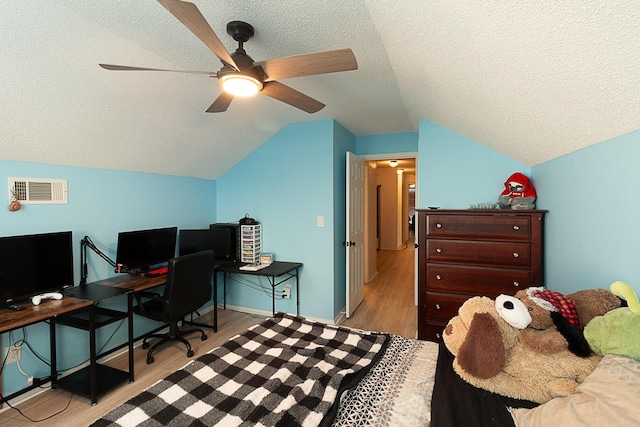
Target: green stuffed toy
(617, 331)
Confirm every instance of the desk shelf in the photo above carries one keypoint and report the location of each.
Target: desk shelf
(80, 381)
(95, 379)
(81, 319)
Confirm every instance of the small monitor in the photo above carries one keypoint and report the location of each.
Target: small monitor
(138, 250)
(34, 264)
(192, 241)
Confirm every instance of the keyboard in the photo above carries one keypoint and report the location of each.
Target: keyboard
(157, 272)
(253, 267)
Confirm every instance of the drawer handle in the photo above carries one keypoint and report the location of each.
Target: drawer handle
(437, 306)
(439, 250)
(438, 225)
(516, 227)
(438, 277)
(438, 336)
(516, 284)
(516, 254)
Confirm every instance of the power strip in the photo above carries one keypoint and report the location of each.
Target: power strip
(12, 354)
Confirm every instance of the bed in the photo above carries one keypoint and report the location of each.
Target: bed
(288, 371)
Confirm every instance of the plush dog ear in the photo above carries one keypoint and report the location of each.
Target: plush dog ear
(578, 344)
(482, 354)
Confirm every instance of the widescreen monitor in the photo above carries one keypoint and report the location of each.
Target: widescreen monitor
(34, 264)
(138, 250)
(192, 241)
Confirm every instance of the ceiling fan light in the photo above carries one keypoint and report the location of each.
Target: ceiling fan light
(393, 163)
(240, 85)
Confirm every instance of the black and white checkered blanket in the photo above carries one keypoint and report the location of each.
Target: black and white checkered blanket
(285, 371)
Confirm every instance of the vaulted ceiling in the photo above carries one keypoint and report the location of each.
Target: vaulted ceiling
(533, 80)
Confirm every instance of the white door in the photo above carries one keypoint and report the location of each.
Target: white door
(354, 240)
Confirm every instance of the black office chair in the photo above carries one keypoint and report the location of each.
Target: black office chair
(188, 288)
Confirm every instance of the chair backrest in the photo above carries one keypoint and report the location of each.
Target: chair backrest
(189, 283)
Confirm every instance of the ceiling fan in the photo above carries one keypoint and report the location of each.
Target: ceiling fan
(240, 75)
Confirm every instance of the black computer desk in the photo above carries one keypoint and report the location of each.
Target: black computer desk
(277, 273)
(96, 379)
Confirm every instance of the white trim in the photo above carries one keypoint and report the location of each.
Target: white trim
(387, 156)
(267, 313)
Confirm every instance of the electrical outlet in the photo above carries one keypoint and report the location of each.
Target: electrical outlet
(12, 354)
(286, 293)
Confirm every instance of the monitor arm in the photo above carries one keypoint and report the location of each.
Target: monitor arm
(84, 244)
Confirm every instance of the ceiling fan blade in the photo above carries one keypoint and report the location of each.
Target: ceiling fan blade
(309, 64)
(292, 97)
(127, 68)
(221, 104)
(190, 16)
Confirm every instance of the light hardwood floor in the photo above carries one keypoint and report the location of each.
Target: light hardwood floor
(74, 410)
(388, 307)
(388, 304)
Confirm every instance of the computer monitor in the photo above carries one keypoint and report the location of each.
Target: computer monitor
(141, 249)
(192, 241)
(34, 264)
(226, 238)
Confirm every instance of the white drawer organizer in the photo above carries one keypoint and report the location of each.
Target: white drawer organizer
(251, 243)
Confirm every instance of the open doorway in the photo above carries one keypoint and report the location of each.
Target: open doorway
(389, 264)
(390, 202)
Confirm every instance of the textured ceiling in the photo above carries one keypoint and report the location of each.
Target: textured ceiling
(531, 79)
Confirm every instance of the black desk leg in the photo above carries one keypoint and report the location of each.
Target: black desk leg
(215, 310)
(215, 301)
(52, 346)
(93, 367)
(272, 281)
(297, 294)
(130, 344)
(224, 290)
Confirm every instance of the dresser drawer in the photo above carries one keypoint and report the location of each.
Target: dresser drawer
(482, 226)
(479, 252)
(476, 280)
(432, 330)
(443, 307)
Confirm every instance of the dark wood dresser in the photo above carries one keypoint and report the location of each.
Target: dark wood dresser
(465, 253)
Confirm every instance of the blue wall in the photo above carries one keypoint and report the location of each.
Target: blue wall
(455, 172)
(404, 142)
(592, 228)
(101, 203)
(285, 184)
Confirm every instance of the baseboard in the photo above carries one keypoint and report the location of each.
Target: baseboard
(340, 318)
(268, 313)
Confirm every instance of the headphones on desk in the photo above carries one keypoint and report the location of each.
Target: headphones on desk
(247, 220)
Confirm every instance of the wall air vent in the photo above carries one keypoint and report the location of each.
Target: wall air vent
(33, 191)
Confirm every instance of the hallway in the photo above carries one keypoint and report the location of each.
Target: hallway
(388, 304)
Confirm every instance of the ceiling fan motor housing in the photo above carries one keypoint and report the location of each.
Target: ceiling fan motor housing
(240, 31)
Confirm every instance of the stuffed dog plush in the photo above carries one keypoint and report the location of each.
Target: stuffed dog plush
(485, 339)
(557, 321)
